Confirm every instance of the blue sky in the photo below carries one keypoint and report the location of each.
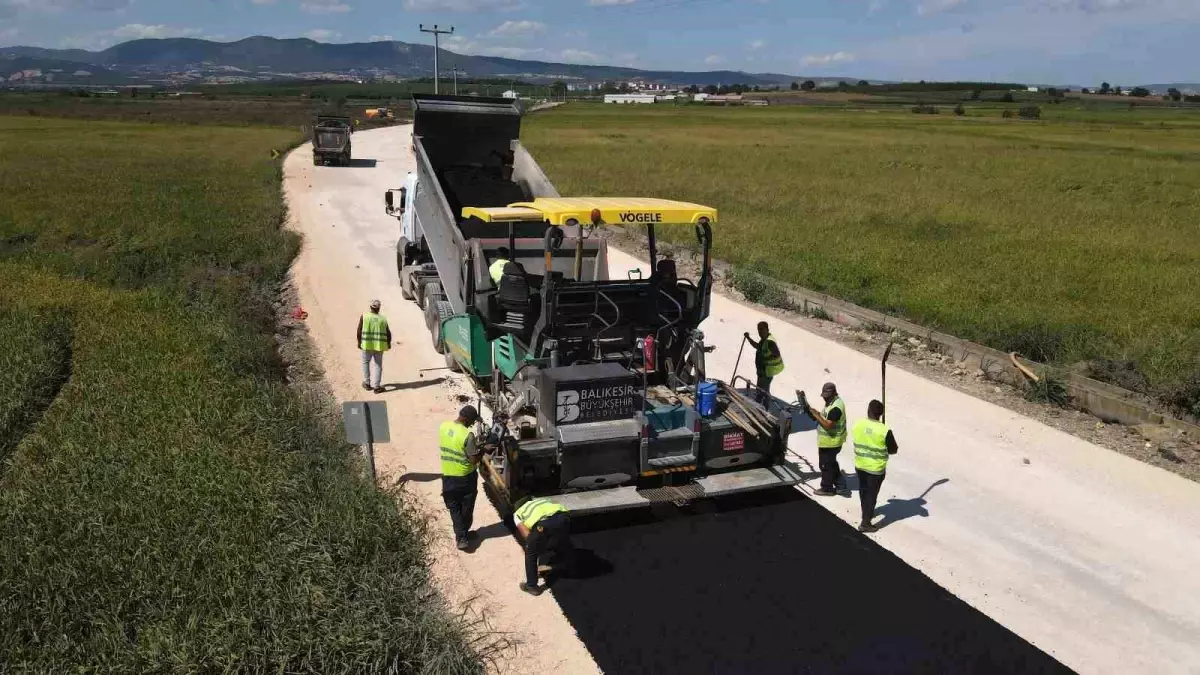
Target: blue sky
(1045, 41)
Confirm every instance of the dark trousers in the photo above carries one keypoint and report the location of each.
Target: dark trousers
(831, 472)
(868, 492)
(764, 386)
(550, 537)
(459, 494)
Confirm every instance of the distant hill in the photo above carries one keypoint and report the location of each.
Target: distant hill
(295, 56)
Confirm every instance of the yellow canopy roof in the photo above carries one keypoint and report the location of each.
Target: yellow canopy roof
(613, 211)
(503, 214)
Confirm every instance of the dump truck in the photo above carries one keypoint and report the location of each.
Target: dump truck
(598, 390)
(331, 140)
(380, 113)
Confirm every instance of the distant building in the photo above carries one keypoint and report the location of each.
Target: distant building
(629, 98)
(699, 97)
(1033, 89)
(510, 94)
(724, 99)
(756, 101)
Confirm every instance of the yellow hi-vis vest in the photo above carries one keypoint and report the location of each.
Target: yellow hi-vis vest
(534, 510)
(452, 439)
(374, 333)
(773, 365)
(835, 437)
(497, 269)
(870, 446)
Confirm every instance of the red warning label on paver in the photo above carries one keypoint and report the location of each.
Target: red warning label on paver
(733, 441)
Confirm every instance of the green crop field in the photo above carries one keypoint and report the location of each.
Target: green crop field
(167, 504)
(1070, 240)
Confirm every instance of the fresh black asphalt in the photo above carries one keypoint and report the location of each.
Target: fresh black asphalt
(769, 583)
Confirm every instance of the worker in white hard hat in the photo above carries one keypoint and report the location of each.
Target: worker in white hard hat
(374, 338)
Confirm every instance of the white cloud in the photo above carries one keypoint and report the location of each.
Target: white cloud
(459, 5)
(577, 56)
(518, 29)
(380, 38)
(463, 45)
(130, 31)
(1095, 6)
(140, 31)
(14, 7)
(609, 3)
(322, 34)
(930, 7)
(827, 59)
(757, 45)
(325, 7)
(714, 59)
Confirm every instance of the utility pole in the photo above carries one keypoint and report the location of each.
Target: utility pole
(456, 72)
(437, 33)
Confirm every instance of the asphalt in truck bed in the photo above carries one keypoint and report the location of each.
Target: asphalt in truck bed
(769, 583)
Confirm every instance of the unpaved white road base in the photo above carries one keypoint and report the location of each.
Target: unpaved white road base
(1090, 555)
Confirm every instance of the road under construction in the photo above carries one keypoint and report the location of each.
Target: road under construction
(1007, 545)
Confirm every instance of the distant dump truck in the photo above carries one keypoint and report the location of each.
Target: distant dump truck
(331, 140)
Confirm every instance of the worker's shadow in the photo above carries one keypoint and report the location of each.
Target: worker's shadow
(415, 384)
(359, 163)
(581, 563)
(900, 509)
(416, 477)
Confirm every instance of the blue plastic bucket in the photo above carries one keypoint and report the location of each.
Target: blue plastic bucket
(706, 398)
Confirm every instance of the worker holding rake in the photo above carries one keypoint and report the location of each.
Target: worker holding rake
(768, 362)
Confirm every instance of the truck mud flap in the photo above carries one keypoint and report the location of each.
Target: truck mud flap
(629, 497)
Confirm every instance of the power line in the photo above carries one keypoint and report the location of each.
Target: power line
(437, 33)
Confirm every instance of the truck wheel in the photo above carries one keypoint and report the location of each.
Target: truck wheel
(443, 310)
(430, 294)
(406, 281)
(316, 161)
(428, 313)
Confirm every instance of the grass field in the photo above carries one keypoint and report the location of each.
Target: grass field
(1070, 240)
(167, 504)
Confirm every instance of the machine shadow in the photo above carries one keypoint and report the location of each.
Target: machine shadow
(770, 582)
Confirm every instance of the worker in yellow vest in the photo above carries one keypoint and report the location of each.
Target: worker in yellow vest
(374, 338)
(545, 528)
(873, 443)
(496, 270)
(767, 360)
(460, 457)
(831, 435)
